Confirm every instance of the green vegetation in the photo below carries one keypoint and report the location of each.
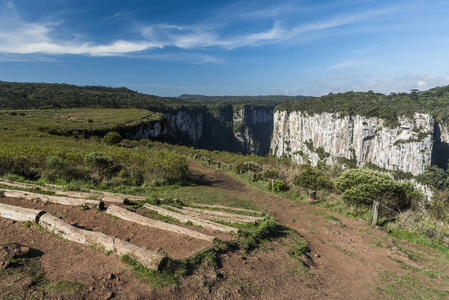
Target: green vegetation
(360, 185)
(34, 154)
(277, 186)
(255, 234)
(112, 138)
(408, 287)
(370, 104)
(15, 95)
(313, 178)
(67, 287)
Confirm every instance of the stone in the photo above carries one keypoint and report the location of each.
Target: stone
(14, 249)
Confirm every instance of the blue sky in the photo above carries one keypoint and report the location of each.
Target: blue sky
(286, 47)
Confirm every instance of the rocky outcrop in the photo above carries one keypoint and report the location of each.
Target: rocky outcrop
(332, 139)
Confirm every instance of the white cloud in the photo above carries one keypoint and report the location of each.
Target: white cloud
(20, 37)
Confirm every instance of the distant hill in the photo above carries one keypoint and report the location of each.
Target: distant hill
(239, 99)
(18, 95)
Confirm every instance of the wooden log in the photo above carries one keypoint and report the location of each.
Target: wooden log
(224, 214)
(136, 218)
(55, 199)
(228, 207)
(194, 220)
(148, 258)
(208, 217)
(105, 196)
(75, 234)
(20, 214)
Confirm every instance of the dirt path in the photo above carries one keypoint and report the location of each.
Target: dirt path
(346, 259)
(346, 262)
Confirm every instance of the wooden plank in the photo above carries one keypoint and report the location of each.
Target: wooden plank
(224, 214)
(55, 199)
(148, 258)
(133, 217)
(209, 217)
(20, 214)
(194, 220)
(228, 207)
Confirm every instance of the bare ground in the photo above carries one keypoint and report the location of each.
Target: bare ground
(346, 260)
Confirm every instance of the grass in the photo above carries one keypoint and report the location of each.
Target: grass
(420, 240)
(254, 234)
(174, 269)
(406, 286)
(327, 216)
(67, 287)
(429, 273)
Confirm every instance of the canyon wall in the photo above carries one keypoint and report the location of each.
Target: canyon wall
(244, 129)
(332, 139)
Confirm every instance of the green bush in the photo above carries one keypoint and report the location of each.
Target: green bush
(313, 179)
(270, 174)
(54, 163)
(360, 185)
(101, 164)
(112, 138)
(440, 205)
(277, 186)
(247, 166)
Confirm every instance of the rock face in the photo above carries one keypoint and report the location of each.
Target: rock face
(253, 127)
(332, 139)
(244, 129)
(185, 126)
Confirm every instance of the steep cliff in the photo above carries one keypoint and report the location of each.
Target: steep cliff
(360, 140)
(252, 126)
(236, 128)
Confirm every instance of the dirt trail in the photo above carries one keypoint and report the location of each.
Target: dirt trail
(345, 263)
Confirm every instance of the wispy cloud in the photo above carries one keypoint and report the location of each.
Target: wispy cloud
(206, 35)
(18, 36)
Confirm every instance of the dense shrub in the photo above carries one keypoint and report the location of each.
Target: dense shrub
(360, 185)
(440, 205)
(99, 163)
(112, 138)
(313, 178)
(277, 186)
(247, 166)
(270, 174)
(435, 177)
